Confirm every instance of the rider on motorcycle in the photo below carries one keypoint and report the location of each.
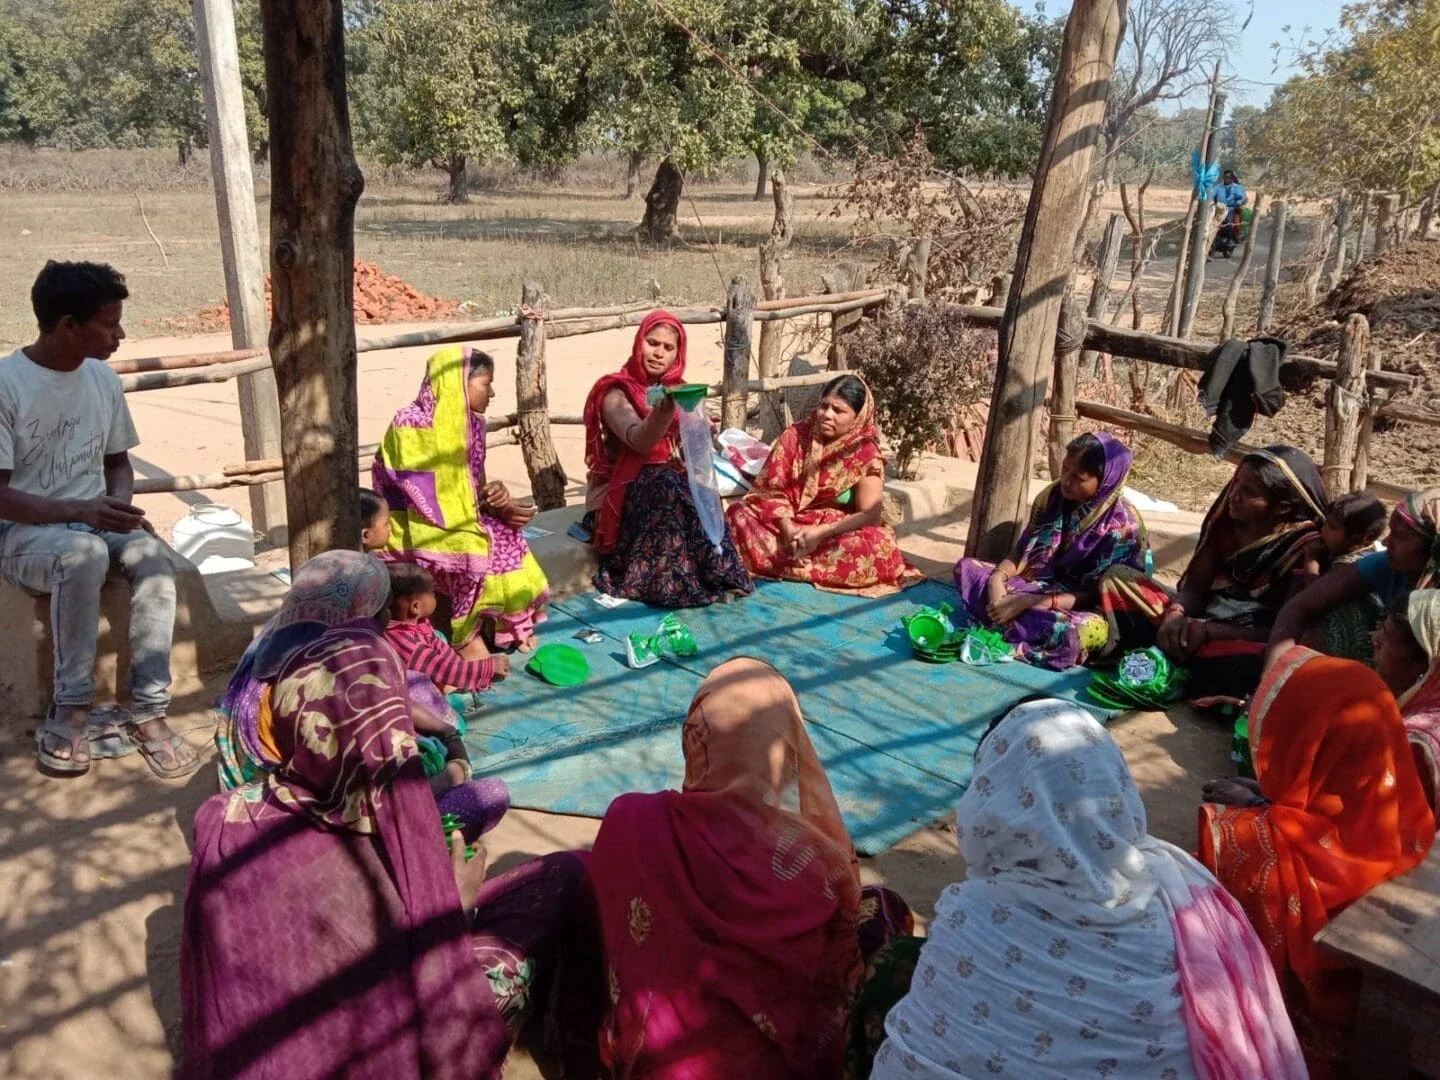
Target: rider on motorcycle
(1230, 195)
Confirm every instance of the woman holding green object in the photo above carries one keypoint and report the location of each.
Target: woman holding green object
(647, 531)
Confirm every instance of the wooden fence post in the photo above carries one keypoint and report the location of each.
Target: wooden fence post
(1272, 265)
(1232, 294)
(240, 249)
(1043, 264)
(917, 265)
(772, 287)
(1000, 290)
(739, 311)
(1385, 223)
(1360, 478)
(314, 186)
(1363, 227)
(1069, 338)
(1342, 405)
(1337, 256)
(532, 405)
(1204, 215)
(1321, 250)
(1104, 279)
(845, 278)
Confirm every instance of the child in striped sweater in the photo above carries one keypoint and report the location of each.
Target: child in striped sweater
(421, 648)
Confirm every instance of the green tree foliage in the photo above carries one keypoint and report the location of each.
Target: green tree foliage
(104, 73)
(976, 78)
(1365, 110)
(436, 90)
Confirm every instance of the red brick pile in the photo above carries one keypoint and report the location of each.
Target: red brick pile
(379, 298)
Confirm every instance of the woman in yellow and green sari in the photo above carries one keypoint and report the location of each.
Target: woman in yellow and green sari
(444, 516)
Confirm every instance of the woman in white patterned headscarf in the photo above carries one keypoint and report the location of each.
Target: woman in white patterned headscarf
(1079, 945)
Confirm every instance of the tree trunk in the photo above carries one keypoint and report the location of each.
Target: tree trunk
(762, 175)
(1068, 339)
(1043, 266)
(1385, 223)
(660, 224)
(1274, 261)
(632, 173)
(1100, 286)
(182, 148)
(772, 285)
(1337, 247)
(261, 153)
(459, 190)
(1232, 294)
(532, 405)
(314, 186)
(1428, 210)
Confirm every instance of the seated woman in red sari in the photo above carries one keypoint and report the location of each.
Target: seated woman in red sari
(1045, 595)
(814, 512)
(1251, 557)
(646, 529)
(1336, 808)
(733, 919)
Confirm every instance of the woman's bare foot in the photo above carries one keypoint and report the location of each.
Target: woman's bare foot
(528, 644)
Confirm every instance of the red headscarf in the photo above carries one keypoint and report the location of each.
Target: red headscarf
(619, 471)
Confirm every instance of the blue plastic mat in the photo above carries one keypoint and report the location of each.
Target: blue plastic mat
(896, 734)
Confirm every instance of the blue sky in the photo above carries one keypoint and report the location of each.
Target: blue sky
(1253, 64)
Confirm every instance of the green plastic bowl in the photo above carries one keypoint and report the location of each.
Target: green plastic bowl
(559, 665)
(927, 632)
(688, 395)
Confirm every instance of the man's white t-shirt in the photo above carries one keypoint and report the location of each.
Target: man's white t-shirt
(57, 427)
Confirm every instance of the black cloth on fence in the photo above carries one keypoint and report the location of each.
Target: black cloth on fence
(1241, 378)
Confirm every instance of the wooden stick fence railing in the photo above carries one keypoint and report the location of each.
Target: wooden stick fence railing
(1348, 430)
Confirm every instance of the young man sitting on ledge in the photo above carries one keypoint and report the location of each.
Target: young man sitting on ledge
(66, 518)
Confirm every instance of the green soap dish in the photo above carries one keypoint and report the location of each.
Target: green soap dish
(688, 395)
(559, 665)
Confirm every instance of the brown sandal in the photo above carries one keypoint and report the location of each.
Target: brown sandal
(49, 736)
(169, 758)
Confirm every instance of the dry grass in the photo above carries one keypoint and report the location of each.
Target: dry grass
(575, 238)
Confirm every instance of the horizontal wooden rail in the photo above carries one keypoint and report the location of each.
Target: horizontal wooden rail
(192, 376)
(1192, 439)
(138, 364)
(1409, 414)
(247, 473)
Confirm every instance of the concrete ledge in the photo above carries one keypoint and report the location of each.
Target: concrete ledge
(204, 642)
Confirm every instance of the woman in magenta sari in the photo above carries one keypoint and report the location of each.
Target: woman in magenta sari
(734, 922)
(1045, 596)
(327, 931)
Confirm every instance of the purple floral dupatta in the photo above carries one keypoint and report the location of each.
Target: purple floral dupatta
(1074, 545)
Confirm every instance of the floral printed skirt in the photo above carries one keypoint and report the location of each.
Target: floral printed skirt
(662, 556)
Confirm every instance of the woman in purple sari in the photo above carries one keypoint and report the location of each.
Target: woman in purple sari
(1044, 595)
(328, 933)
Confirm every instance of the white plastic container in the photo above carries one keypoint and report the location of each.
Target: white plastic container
(212, 530)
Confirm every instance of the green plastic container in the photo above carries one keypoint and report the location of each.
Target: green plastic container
(1240, 747)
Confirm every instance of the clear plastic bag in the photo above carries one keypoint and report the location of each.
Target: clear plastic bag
(700, 468)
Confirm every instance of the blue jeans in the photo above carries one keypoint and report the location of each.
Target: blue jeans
(70, 563)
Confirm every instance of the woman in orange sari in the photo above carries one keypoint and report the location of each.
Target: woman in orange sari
(1337, 807)
(814, 513)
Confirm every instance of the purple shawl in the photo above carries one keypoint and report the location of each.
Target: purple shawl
(1073, 544)
(323, 932)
